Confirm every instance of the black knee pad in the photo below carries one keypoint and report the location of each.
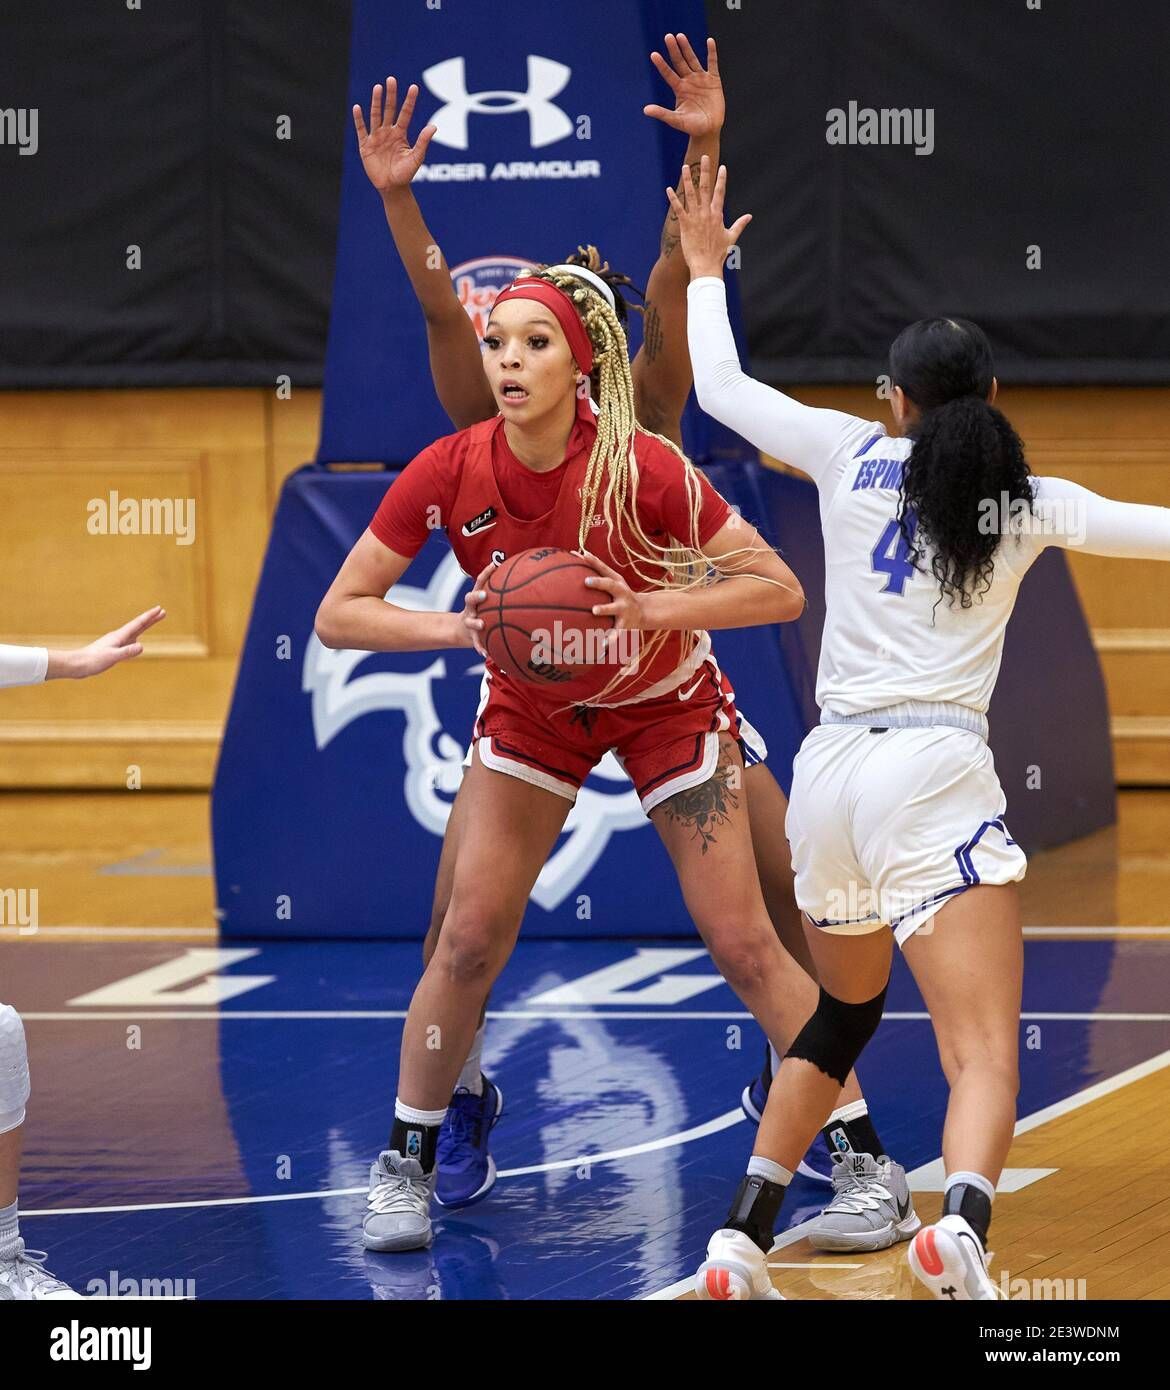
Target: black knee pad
(837, 1033)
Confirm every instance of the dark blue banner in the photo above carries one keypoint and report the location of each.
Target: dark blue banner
(338, 768)
(542, 146)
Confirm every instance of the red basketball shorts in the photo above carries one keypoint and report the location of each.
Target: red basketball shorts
(665, 745)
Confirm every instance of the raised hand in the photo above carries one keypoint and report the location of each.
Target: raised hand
(705, 240)
(388, 157)
(698, 93)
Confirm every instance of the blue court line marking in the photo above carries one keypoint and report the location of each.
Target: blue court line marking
(669, 1141)
(1029, 1122)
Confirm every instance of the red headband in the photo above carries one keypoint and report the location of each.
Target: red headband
(529, 287)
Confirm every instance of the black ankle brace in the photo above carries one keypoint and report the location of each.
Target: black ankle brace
(754, 1211)
(973, 1205)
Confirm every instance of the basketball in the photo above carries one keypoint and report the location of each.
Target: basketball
(539, 626)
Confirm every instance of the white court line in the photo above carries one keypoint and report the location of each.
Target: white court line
(669, 1141)
(99, 931)
(664, 1014)
(1033, 1121)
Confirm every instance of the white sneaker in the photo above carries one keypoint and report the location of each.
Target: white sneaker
(24, 1278)
(949, 1259)
(735, 1269)
(871, 1207)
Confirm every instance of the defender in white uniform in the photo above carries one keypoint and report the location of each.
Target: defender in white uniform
(896, 817)
(23, 1276)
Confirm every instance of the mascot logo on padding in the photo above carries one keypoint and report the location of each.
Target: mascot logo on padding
(434, 755)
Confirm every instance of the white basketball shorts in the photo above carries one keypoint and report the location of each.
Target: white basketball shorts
(888, 826)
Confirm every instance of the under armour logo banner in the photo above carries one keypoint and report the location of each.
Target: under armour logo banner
(547, 123)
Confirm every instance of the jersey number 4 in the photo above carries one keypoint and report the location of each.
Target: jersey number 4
(891, 557)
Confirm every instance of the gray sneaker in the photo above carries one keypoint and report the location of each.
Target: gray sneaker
(24, 1278)
(871, 1207)
(399, 1204)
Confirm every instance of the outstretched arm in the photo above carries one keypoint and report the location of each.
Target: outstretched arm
(1070, 516)
(808, 438)
(662, 368)
(391, 162)
(31, 665)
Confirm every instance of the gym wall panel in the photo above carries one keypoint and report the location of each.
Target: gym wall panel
(62, 586)
(238, 446)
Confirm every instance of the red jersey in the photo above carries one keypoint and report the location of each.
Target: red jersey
(491, 506)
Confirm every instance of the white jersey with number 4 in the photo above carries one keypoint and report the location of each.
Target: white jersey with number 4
(889, 637)
(896, 807)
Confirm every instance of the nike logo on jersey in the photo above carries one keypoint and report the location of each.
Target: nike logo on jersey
(483, 522)
(686, 694)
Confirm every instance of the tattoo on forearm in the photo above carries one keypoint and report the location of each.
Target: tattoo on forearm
(652, 331)
(706, 808)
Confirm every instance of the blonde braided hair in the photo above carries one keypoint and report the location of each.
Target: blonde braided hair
(610, 487)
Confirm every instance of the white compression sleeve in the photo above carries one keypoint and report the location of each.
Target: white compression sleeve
(1074, 518)
(23, 665)
(801, 435)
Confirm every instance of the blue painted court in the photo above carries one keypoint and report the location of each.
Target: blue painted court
(230, 1144)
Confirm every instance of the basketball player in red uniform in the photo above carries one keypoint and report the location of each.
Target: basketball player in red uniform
(550, 471)
(661, 375)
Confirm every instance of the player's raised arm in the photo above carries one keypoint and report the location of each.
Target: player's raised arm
(808, 438)
(391, 162)
(662, 368)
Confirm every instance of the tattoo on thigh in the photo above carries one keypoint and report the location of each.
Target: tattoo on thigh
(706, 808)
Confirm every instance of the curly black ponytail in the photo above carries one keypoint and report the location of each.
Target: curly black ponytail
(966, 477)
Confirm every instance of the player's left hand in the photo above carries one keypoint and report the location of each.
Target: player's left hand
(705, 240)
(624, 606)
(698, 93)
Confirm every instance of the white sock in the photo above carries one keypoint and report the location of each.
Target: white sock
(471, 1077)
(9, 1231)
(418, 1117)
(853, 1111)
(972, 1180)
(764, 1168)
